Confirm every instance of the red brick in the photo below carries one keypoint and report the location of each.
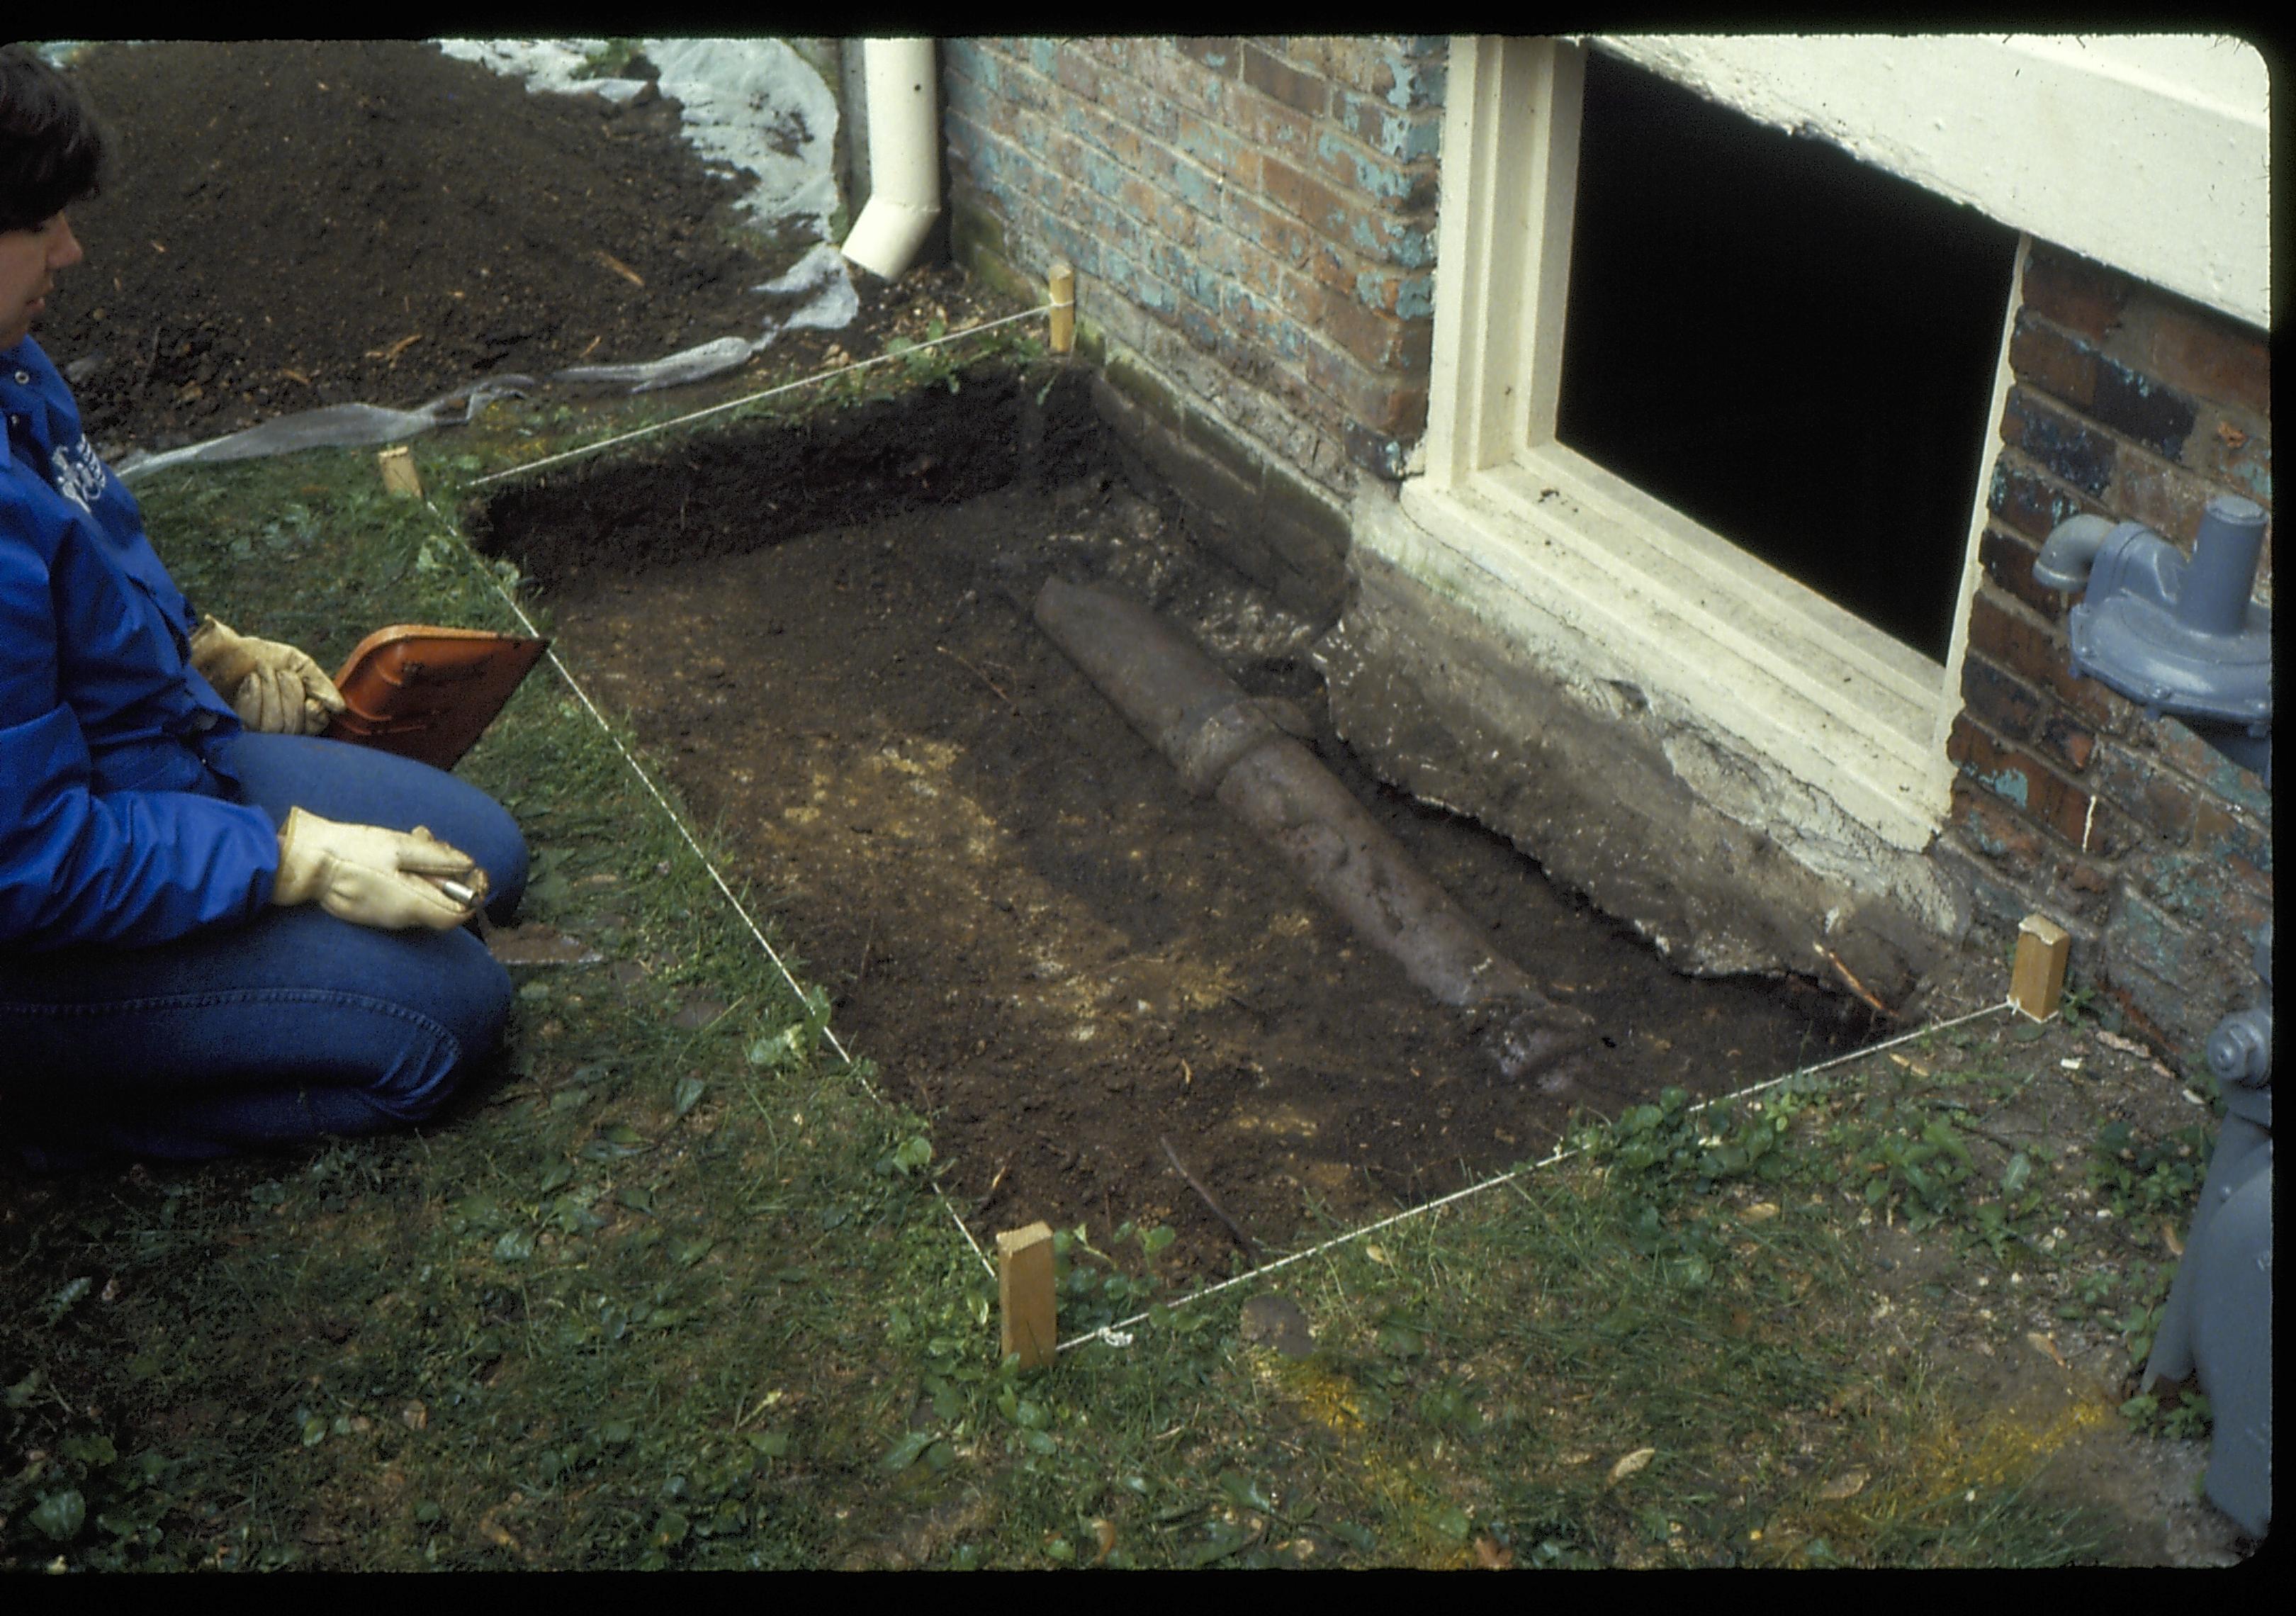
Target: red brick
(1332, 269)
(1111, 51)
(1405, 413)
(1414, 352)
(1357, 393)
(2041, 355)
(1188, 85)
(2040, 656)
(2067, 447)
(1218, 53)
(2066, 741)
(1278, 234)
(1024, 86)
(1308, 198)
(1137, 104)
(2017, 776)
(1101, 129)
(2222, 831)
(1213, 146)
(2186, 752)
(2008, 562)
(1219, 250)
(1371, 337)
(1338, 58)
(2232, 446)
(1999, 703)
(2151, 795)
(1302, 92)
(2011, 644)
(1271, 127)
(2211, 356)
(2026, 498)
(2074, 292)
(1175, 224)
(2166, 498)
(1075, 73)
(1991, 828)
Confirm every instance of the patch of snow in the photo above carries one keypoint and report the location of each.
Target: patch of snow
(754, 106)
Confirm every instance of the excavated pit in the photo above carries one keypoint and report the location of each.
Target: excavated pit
(823, 631)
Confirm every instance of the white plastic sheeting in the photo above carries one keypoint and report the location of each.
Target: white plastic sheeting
(335, 426)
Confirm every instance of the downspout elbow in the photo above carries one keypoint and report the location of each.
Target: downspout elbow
(2065, 560)
(903, 156)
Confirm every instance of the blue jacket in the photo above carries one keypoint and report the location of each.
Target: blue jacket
(118, 823)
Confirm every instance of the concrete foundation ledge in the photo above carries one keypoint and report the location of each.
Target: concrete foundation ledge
(1660, 817)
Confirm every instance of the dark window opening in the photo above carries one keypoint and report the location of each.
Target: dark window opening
(1791, 348)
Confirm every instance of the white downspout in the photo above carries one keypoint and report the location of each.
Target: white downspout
(903, 156)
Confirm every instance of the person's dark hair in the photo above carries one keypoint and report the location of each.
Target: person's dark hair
(51, 148)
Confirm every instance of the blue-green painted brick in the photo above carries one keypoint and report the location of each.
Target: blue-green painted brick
(1372, 176)
(1107, 179)
(1415, 299)
(1411, 246)
(2015, 486)
(1415, 85)
(1196, 188)
(2009, 783)
(2195, 888)
(2228, 781)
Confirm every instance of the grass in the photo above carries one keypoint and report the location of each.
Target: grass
(677, 1292)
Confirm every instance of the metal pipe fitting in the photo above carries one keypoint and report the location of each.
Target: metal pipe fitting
(2069, 551)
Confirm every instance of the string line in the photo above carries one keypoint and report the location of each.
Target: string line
(676, 819)
(1108, 1331)
(1105, 1332)
(829, 375)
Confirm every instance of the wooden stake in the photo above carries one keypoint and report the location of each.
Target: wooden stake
(398, 473)
(1025, 1303)
(1063, 301)
(2038, 980)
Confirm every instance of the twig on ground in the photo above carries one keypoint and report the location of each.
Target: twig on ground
(995, 1181)
(1855, 987)
(983, 678)
(1251, 1249)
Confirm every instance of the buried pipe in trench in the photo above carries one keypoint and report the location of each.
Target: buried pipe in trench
(1244, 751)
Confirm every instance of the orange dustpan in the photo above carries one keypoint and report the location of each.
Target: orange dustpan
(428, 694)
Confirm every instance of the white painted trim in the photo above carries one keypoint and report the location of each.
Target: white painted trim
(1957, 645)
(2149, 152)
(1593, 579)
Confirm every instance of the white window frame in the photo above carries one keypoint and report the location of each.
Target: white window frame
(1529, 530)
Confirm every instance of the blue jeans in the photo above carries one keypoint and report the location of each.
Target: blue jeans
(294, 1026)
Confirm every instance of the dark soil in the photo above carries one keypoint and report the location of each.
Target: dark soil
(1038, 935)
(1040, 938)
(294, 223)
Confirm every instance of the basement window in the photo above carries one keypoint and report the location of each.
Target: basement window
(1791, 347)
(1710, 417)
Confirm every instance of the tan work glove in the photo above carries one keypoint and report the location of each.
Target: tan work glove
(277, 689)
(389, 879)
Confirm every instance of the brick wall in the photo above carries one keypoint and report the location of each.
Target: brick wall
(1251, 221)
(2151, 848)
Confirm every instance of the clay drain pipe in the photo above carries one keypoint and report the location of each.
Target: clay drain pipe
(1243, 750)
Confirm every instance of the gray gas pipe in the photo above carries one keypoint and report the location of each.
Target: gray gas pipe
(2177, 636)
(2217, 1324)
